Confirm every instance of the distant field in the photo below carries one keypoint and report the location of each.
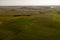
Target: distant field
(35, 27)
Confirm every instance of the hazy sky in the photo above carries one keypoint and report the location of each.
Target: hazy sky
(29, 2)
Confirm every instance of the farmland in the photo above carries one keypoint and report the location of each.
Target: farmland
(18, 24)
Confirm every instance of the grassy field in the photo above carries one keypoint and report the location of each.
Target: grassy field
(35, 27)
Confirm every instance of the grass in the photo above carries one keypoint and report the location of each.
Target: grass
(26, 28)
(36, 27)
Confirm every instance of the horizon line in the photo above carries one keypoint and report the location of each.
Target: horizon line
(29, 5)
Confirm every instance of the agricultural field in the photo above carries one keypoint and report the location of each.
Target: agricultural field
(17, 24)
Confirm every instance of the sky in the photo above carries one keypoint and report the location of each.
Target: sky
(28, 2)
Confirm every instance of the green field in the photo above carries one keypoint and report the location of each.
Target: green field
(35, 27)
